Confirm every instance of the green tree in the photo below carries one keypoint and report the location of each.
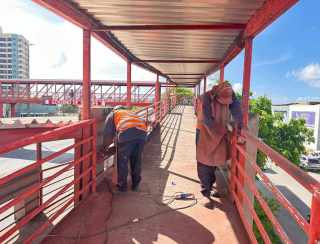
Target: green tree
(273, 235)
(184, 92)
(287, 138)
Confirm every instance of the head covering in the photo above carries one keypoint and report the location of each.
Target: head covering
(119, 107)
(222, 93)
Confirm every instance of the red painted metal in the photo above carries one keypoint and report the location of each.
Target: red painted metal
(314, 235)
(38, 158)
(218, 26)
(204, 84)
(129, 84)
(271, 10)
(70, 12)
(1, 109)
(221, 73)
(184, 61)
(195, 74)
(86, 74)
(246, 81)
(44, 204)
(299, 175)
(157, 96)
(12, 110)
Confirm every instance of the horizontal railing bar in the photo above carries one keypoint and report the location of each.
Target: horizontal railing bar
(32, 214)
(46, 136)
(282, 200)
(24, 170)
(299, 175)
(256, 219)
(264, 206)
(245, 222)
(41, 184)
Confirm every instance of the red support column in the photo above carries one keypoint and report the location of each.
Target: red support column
(245, 105)
(129, 83)
(314, 235)
(86, 74)
(205, 84)
(86, 132)
(157, 97)
(246, 81)
(39, 157)
(1, 110)
(221, 73)
(13, 110)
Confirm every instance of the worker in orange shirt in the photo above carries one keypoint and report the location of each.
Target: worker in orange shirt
(128, 131)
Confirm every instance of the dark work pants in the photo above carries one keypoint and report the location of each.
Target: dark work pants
(129, 151)
(206, 173)
(207, 178)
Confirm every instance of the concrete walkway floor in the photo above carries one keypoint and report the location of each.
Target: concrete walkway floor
(152, 215)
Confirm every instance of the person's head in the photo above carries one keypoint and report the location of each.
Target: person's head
(223, 92)
(119, 107)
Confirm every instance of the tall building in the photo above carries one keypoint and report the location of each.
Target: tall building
(14, 56)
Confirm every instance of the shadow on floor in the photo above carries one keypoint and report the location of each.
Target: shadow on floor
(144, 218)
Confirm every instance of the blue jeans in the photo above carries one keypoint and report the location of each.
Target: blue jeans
(129, 151)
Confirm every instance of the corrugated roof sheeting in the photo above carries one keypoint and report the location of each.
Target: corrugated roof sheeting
(174, 44)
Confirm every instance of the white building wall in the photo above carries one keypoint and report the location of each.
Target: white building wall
(309, 111)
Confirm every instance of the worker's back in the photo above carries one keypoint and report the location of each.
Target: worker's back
(124, 120)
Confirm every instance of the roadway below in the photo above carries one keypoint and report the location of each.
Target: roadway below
(297, 195)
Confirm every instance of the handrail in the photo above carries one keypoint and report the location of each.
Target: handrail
(45, 136)
(240, 180)
(302, 177)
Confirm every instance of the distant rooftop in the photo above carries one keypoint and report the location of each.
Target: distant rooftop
(299, 103)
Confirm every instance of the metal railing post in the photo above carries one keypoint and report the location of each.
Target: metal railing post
(314, 234)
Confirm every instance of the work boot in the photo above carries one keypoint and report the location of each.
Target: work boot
(207, 202)
(135, 188)
(215, 193)
(120, 189)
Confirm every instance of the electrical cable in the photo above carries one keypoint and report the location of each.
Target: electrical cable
(176, 196)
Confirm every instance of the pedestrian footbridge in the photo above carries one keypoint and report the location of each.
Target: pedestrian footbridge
(54, 189)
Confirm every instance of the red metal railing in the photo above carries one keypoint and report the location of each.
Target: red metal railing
(241, 177)
(50, 192)
(70, 92)
(53, 191)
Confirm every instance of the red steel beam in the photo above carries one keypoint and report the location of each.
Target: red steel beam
(270, 11)
(129, 84)
(221, 73)
(79, 82)
(86, 75)
(246, 81)
(184, 78)
(72, 13)
(199, 74)
(190, 61)
(217, 26)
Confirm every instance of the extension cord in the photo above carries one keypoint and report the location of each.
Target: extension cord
(184, 196)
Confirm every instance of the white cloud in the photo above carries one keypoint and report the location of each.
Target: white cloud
(309, 74)
(56, 52)
(277, 60)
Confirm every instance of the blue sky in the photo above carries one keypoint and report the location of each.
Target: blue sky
(286, 56)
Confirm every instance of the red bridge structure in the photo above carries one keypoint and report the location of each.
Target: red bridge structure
(54, 92)
(184, 42)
